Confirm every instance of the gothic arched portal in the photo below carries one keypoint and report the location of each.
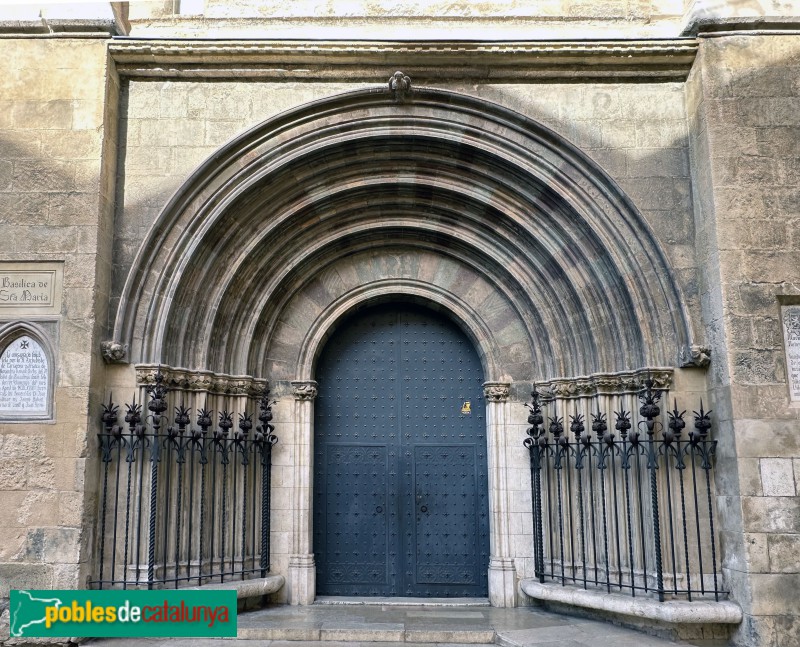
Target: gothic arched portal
(439, 198)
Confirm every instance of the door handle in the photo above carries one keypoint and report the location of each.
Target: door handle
(423, 508)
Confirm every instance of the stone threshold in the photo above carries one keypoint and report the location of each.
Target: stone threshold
(401, 602)
(245, 588)
(669, 611)
(374, 632)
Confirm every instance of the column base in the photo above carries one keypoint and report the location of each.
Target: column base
(502, 582)
(302, 576)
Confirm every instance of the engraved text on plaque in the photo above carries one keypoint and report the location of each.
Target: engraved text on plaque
(791, 339)
(24, 378)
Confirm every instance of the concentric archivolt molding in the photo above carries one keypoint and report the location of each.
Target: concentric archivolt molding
(267, 234)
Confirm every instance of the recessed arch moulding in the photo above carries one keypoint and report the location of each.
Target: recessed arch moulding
(441, 198)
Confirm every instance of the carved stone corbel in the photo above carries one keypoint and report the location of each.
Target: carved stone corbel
(695, 356)
(113, 352)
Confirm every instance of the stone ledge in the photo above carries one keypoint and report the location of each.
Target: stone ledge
(664, 59)
(245, 588)
(671, 611)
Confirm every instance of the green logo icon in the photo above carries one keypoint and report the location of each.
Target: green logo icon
(109, 614)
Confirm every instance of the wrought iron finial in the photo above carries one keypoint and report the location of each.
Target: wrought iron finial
(400, 86)
(245, 425)
(623, 424)
(157, 392)
(649, 397)
(109, 414)
(181, 417)
(225, 424)
(676, 423)
(702, 423)
(557, 428)
(576, 425)
(599, 424)
(204, 419)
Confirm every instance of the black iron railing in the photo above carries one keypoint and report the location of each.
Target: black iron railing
(625, 509)
(183, 504)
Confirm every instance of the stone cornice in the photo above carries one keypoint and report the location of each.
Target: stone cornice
(423, 61)
(201, 381)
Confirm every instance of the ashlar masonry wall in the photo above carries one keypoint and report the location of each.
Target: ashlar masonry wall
(57, 143)
(744, 102)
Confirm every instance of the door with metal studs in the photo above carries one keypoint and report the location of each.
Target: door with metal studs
(400, 469)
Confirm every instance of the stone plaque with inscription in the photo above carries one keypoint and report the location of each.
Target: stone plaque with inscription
(30, 288)
(790, 316)
(24, 379)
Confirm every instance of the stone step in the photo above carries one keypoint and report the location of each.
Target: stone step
(329, 600)
(333, 632)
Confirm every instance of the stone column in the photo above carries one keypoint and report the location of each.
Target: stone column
(302, 571)
(502, 573)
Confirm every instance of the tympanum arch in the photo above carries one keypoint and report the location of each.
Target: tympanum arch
(452, 174)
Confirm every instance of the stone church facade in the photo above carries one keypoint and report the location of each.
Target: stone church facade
(590, 194)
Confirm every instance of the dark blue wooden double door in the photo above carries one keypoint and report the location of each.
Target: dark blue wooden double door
(400, 469)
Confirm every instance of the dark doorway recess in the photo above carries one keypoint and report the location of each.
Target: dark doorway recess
(400, 469)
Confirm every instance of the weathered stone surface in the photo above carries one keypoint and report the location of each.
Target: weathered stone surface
(771, 514)
(25, 576)
(784, 553)
(777, 477)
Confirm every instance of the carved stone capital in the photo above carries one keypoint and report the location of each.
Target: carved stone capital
(202, 381)
(496, 391)
(114, 352)
(604, 383)
(695, 356)
(305, 390)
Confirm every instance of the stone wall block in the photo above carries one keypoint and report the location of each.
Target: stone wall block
(42, 115)
(784, 553)
(757, 553)
(38, 508)
(771, 514)
(6, 173)
(767, 438)
(25, 576)
(41, 240)
(769, 111)
(777, 477)
(87, 176)
(783, 141)
(28, 208)
(665, 133)
(775, 594)
(70, 509)
(658, 162)
(72, 208)
(13, 474)
(618, 134)
(72, 145)
(32, 175)
(41, 472)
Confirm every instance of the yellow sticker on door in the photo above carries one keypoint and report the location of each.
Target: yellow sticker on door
(466, 408)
